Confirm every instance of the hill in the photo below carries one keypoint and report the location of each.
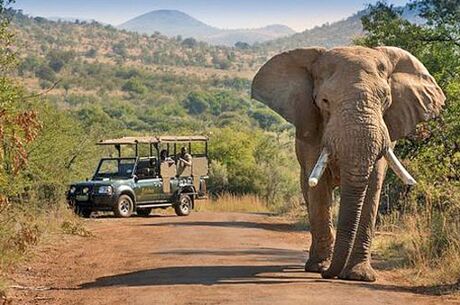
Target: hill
(326, 35)
(330, 35)
(170, 23)
(174, 23)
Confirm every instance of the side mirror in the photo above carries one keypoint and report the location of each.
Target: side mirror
(136, 178)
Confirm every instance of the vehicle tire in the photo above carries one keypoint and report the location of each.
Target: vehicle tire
(124, 206)
(143, 212)
(183, 206)
(83, 212)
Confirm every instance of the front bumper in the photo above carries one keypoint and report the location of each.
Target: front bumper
(92, 201)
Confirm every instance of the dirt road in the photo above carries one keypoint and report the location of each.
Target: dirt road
(206, 258)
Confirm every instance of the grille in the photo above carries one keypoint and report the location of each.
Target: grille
(79, 189)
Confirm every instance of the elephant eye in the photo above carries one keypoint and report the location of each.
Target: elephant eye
(325, 101)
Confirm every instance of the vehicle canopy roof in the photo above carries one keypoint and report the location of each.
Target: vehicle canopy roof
(152, 140)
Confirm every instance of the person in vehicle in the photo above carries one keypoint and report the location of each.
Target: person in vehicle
(185, 158)
(165, 158)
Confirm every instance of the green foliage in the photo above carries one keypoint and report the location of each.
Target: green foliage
(18, 123)
(63, 152)
(435, 43)
(134, 85)
(120, 49)
(197, 102)
(46, 73)
(57, 59)
(91, 53)
(189, 42)
(266, 118)
(253, 162)
(218, 177)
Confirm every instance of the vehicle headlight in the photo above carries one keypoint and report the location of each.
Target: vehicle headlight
(105, 189)
(72, 189)
(85, 190)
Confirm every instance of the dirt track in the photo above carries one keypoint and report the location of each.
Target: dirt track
(206, 258)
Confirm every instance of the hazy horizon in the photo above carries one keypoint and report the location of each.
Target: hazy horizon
(299, 15)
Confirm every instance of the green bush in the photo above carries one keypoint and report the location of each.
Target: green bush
(134, 86)
(46, 73)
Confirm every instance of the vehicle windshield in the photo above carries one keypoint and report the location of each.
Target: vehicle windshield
(115, 168)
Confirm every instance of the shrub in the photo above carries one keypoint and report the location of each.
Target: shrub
(46, 73)
(134, 85)
(196, 102)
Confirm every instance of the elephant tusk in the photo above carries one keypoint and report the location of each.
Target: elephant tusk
(398, 168)
(319, 168)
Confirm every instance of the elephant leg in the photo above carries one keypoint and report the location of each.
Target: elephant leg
(358, 266)
(319, 203)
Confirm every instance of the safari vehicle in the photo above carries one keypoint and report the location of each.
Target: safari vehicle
(127, 184)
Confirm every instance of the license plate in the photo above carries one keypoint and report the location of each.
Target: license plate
(82, 198)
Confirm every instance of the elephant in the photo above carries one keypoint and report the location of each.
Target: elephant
(349, 105)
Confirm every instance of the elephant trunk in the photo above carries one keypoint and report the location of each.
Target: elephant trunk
(361, 143)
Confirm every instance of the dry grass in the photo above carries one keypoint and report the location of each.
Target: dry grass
(24, 226)
(233, 203)
(425, 245)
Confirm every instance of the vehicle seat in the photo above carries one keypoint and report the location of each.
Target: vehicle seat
(145, 169)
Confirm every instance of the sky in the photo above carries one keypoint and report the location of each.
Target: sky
(228, 14)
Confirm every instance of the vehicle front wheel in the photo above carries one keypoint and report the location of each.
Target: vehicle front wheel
(143, 212)
(184, 205)
(124, 206)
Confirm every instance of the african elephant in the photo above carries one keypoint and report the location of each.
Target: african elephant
(349, 105)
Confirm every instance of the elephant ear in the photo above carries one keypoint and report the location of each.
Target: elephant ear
(285, 84)
(415, 94)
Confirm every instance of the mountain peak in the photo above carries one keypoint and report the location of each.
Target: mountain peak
(168, 22)
(174, 23)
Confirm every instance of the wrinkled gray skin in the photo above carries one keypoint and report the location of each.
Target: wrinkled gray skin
(355, 102)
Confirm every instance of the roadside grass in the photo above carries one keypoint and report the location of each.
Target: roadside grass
(234, 203)
(424, 245)
(23, 226)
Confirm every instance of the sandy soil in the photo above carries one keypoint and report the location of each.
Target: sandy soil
(206, 258)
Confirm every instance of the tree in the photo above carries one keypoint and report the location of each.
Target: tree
(120, 49)
(19, 124)
(134, 85)
(196, 102)
(435, 43)
(189, 42)
(46, 73)
(242, 45)
(58, 59)
(91, 53)
(266, 118)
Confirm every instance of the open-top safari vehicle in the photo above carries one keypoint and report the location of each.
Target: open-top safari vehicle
(127, 184)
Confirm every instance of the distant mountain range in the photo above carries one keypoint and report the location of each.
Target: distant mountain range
(340, 33)
(174, 23)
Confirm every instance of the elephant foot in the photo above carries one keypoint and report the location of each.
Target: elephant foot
(329, 273)
(359, 272)
(316, 266)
